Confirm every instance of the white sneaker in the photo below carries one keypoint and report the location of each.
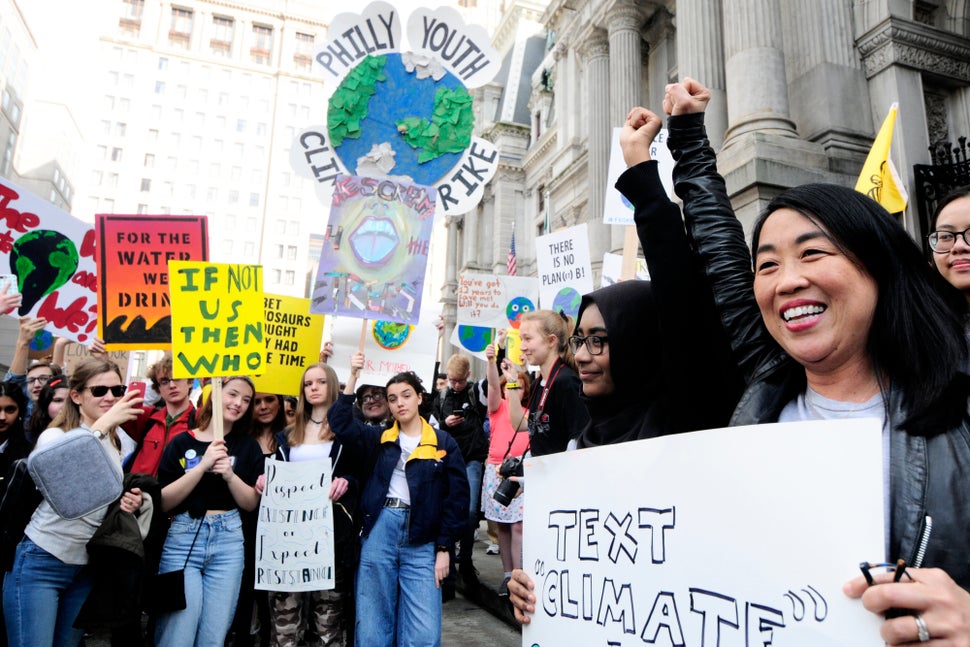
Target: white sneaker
(492, 549)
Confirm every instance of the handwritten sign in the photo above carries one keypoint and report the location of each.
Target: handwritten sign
(293, 338)
(617, 210)
(217, 319)
(52, 254)
(389, 348)
(709, 538)
(133, 255)
(376, 250)
(74, 353)
(294, 534)
(494, 301)
(565, 274)
(400, 110)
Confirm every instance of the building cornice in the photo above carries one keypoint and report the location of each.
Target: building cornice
(917, 46)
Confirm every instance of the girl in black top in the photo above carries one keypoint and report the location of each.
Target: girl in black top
(205, 482)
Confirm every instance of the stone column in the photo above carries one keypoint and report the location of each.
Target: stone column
(700, 55)
(757, 87)
(596, 54)
(624, 22)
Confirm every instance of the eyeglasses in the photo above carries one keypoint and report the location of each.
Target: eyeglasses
(943, 241)
(43, 379)
(594, 344)
(166, 381)
(372, 397)
(100, 391)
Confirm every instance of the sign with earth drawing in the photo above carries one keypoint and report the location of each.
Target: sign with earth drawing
(562, 262)
(52, 254)
(375, 252)
(399, 111)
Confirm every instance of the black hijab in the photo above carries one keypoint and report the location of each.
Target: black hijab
(636, 409)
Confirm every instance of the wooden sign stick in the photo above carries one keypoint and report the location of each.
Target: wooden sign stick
(215, 396)
(363, 335)
(628, 269)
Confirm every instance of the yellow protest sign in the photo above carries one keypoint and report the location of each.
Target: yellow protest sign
(292, 343)
(217, 319)
(513, 346)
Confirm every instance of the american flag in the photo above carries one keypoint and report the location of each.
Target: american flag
(510, 265)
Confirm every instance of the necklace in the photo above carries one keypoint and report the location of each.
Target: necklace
(319, 422)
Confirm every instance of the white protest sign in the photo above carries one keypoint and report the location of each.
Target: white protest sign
(463, 50)
(565, 275)
(294, 535)
(731, 537)
(389, 349)
(494, 301)
(613, 269)
(617, 210)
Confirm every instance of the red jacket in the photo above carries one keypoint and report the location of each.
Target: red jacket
(148, 430)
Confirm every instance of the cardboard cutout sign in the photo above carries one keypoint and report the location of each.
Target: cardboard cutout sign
(52, 254)
(74, 353)
(740, 536)
(612, 268)
(218, 319)
(389, 348)
(133, 255)
(565, 273)
(402, 114)
(294, 534)
(293, 338)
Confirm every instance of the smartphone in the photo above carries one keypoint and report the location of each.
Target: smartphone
(11, 281)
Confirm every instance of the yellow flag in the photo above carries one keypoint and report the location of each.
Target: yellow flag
(879, 178)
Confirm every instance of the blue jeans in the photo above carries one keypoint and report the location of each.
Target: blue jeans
(474, 470)
(41, 598)
(212, 579)
(397, 601)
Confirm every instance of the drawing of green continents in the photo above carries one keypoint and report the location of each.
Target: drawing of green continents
(426, 123)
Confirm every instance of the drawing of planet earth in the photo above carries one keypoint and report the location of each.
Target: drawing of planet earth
(427, 123)
(517, 307)
(474, 338)
(390, 335)
(567, 300)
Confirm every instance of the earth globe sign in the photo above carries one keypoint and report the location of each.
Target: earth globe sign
(390, 335)
(397, 95)
(567, 300)
(474, 338)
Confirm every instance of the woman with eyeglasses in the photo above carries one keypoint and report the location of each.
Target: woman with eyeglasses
(49, 581)
(324, 614)
(843, 318)
(951, 248)
(205, 483)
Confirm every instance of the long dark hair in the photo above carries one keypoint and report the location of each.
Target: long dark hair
(40, 419)
(916, 343)
(15, 435)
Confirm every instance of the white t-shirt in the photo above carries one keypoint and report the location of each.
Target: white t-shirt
(314, 452)
(398, 487)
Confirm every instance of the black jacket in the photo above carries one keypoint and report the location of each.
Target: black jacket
(930, 500)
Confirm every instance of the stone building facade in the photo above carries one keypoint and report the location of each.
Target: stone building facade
(800, 87)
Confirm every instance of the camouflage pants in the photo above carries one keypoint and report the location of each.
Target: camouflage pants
(295, 616)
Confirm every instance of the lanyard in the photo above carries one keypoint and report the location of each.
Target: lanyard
(547, 388)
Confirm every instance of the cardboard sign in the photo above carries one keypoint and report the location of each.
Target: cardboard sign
(617, 210)
(399, 111)
(133, 255)
(293, 338)
(294, 534)
(376, 250)
(217, 319)
(389, 348)
(74, 353)
(613, 268)
(565, 273)
(495, 301)
(740, 536)
(472, 340)
(52, 254)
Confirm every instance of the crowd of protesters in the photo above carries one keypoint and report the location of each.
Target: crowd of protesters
(841, 317)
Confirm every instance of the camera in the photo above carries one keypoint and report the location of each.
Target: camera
(508, 488)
